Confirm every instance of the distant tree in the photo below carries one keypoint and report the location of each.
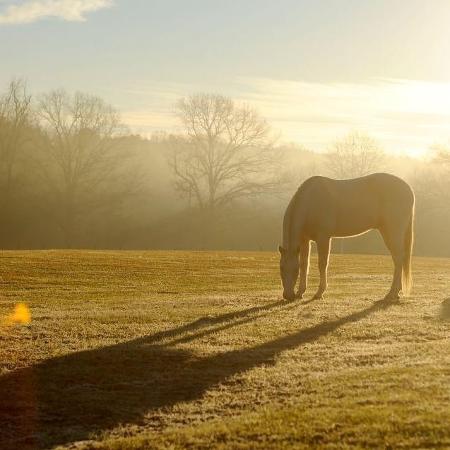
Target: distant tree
(355, 155)
(431, 184)
(15, 124)
(300, 163)
(435, 184)
(226, 153)
(81, 160)
(441, 154)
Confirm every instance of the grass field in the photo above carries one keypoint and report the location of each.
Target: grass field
(130, 350)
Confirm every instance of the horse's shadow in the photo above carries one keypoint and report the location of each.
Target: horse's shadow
(67, 398)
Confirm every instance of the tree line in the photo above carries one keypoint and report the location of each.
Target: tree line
(73, 176)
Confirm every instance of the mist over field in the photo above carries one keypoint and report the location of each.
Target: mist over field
(73, 175)
(190, 127)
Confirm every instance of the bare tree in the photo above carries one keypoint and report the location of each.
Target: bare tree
(15, 123)
(81, 161)
(226, 153)
(441, 154)
(355, 155)
(434, 182)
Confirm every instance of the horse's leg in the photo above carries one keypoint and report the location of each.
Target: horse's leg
(305, 246)
(323, 251)
(395, 243)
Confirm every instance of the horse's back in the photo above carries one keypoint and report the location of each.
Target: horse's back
(392, 191)
(376, 185)
(352, 206)
(388, 182)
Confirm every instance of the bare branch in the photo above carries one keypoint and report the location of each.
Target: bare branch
(227, 152)
(82, 163)
(354, 156)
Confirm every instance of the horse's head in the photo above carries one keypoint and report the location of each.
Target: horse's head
(289, 267)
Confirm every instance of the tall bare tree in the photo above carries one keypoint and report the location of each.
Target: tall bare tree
(81, 161)
(15, 123)
(441, 154)
(434, 186)
(16, 119)
(355, 155)
(226, 153)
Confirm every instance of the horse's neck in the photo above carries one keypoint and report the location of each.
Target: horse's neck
(291, 228)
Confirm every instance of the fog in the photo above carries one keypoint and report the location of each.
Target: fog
(72, 175)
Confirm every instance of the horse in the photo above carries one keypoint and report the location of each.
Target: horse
(323, 208)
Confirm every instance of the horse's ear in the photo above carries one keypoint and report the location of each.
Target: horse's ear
(280, 249)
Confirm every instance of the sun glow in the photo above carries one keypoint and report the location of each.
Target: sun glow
(405, 116)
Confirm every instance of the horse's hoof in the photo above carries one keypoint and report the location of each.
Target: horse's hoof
(391, 297)
(318, 297)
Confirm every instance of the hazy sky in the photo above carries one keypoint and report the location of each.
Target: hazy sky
(316, 69)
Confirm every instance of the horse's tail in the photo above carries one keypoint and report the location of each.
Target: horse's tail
(409, 242)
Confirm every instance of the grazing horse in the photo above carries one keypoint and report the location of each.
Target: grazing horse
(323, 208)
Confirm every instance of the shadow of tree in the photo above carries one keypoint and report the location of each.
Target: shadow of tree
(67, 398)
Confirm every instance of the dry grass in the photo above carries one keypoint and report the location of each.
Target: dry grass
(196, 350)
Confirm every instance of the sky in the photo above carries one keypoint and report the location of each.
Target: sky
(316, 69)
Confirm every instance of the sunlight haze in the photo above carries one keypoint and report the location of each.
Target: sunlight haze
(316, 69)
(224, 224)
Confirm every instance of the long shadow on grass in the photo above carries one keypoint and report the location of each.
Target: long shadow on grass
(68, 398)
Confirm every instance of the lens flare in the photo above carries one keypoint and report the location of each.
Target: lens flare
(20, 316)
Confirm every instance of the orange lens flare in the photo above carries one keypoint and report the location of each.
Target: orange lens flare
(20, 316)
